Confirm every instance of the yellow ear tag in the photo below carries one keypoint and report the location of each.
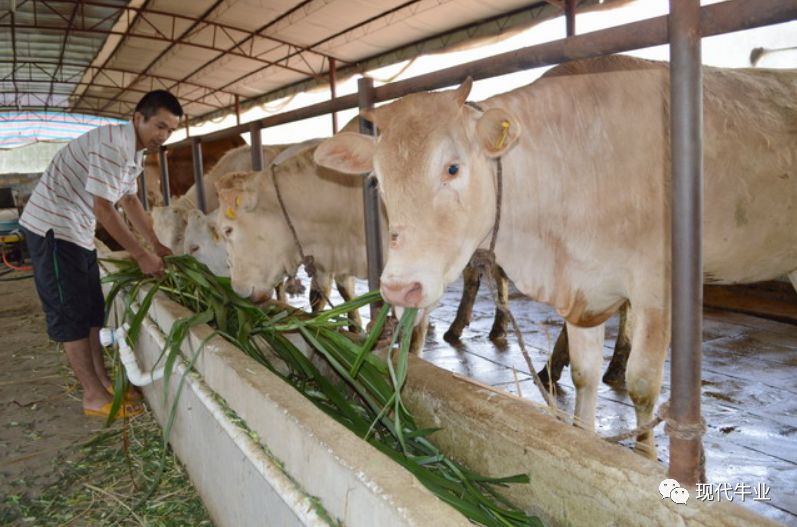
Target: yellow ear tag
(504, 135)
(230, 213)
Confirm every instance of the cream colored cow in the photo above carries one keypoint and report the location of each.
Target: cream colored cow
(169, 222)
(203, 242)
(585, 220)
(324, 207)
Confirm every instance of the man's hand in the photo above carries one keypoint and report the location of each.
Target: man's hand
(150, 264)
(161, 250)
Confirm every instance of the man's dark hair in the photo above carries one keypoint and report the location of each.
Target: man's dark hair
(155, 100)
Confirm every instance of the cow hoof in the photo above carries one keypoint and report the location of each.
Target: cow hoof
(452, 337)
(547, 378)
(498, 338)
(614, 378)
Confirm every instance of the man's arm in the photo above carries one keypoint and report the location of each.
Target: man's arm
(117, 228)
(142, 222)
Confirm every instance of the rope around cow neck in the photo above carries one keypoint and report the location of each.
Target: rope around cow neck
(307, 260)
(484, 261)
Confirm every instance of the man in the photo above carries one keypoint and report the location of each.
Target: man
(83, 183)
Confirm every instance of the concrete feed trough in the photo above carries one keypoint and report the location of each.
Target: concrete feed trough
(296, 466)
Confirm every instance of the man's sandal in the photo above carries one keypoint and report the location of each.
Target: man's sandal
(130, 395)
(125, 410)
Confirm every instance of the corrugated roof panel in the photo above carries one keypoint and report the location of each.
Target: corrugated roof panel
(205, 50)
(251, 14)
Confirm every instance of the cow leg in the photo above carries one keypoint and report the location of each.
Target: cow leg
(345, 286)
(615, 373)
(650, 334)
(470, 279)
(279, 292)
(320, 288)
(498, 332)
(419, 334)
(586, 354)
(560, 357)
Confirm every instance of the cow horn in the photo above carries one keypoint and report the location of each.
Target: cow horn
(461, 93)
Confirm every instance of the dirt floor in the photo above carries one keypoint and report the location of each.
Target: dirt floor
(45, 439)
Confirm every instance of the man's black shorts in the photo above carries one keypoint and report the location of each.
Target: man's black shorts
(68, 282)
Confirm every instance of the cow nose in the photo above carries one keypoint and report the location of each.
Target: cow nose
(258, 296)
(242, 290)
(402, 293)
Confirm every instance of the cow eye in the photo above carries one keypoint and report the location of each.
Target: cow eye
(227, 231)
(453, 169)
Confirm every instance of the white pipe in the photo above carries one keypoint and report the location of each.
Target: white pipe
(109, 337)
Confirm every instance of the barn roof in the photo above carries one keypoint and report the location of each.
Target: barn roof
(98, 57)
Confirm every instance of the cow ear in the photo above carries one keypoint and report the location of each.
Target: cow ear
(497, 130)
(232, 201)
(461, 93)
(347, 152)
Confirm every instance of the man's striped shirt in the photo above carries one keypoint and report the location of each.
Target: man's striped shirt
(102, 162)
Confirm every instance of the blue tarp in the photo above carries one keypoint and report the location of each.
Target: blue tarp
(22, 128)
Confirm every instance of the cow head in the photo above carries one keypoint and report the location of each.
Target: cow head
(203, 242)
(169, 226)
(260, 249)
(434, 160)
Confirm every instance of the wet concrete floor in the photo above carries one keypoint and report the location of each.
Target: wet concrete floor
(749, 391)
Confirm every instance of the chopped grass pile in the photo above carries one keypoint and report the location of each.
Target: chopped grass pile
(101, 481)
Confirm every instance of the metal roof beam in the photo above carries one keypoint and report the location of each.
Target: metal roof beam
(60, 65)
(305, 6)
(105, 62)
(220, 106)
(490, 27)
(207, 23)
(171, 41)
(14, 57)
(170, 46)
(160, 78)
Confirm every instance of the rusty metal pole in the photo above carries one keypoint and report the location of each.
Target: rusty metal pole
(237, 110)
(686, 92)
(333, 80)
(196, 151)
(187, 127)
(570, 17)
(257, 146)
(164, 166)
(373, 229)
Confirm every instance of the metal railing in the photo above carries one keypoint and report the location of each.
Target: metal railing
(683, 29)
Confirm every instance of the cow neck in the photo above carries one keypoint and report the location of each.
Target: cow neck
(307, 260)
(482, 257)
(484, 261)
